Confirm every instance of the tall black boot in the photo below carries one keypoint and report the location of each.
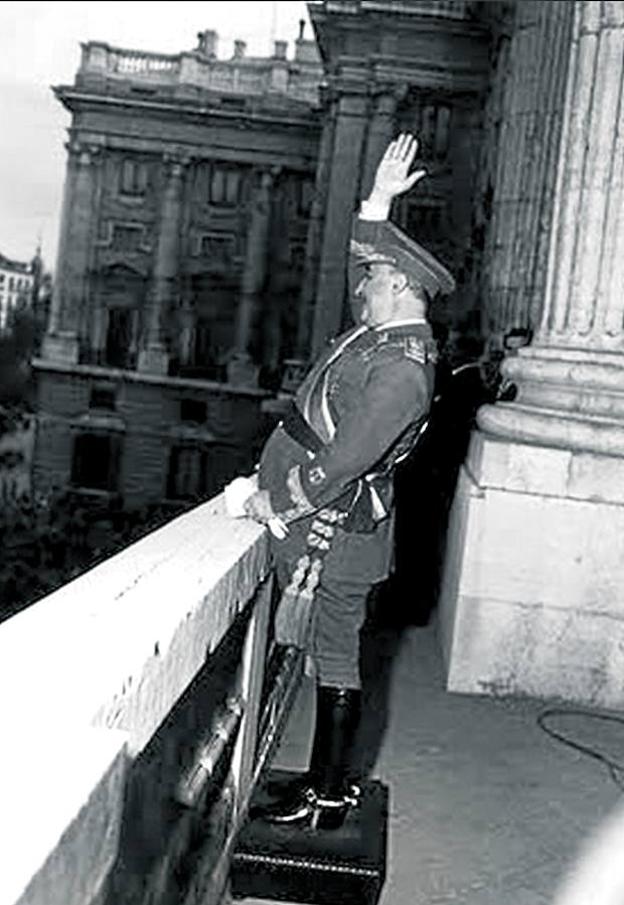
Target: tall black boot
(325, 797)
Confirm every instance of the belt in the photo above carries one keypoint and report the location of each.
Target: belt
(296, 426)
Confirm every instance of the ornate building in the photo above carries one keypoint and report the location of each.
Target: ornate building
(186, 176)
(18, 284)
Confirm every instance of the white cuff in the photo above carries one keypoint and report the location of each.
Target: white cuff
(237, 492)
(374, 210)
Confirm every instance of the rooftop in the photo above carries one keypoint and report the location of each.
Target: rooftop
(16, 266)
(193, 74)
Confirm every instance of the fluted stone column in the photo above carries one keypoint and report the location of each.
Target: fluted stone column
(532, 101)
(572, 378)
(241, 369)
(342, 188)
(153, 356)
(61, 342)
(532, 599)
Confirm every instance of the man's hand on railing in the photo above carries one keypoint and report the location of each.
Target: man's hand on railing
(242, 498)
(237, 492)
(258, 507)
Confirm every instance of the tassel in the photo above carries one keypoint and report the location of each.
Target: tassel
(295, 611)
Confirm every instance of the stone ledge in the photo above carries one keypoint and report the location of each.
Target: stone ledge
(112, 374)
(118, 645)
(523, 467)
(62, 799)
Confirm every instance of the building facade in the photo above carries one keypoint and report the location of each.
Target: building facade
(187, 197)
(17, 286)
(422, 67)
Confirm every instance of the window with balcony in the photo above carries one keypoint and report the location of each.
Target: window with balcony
(199, 472)
(193, 411)
(119, 335)
(95, 463)
(224, 186)
(127, 238)
(102, 397)
(303, 190)
(187, 473)
(133, 178)
(218, 248)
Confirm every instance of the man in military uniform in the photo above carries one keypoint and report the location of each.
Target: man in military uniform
(325, 477)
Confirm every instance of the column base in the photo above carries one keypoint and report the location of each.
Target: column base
(531, 599)
(61, 347)
(153, 360)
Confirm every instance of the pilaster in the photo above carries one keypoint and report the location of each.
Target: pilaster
(241, 369)
(315, 229)
(71, 284)
(348, 139)
(153, 356)
(381, 130)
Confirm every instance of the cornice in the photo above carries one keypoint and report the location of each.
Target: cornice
(73, 99)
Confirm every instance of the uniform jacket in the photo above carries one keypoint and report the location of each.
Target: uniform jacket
(365, 400)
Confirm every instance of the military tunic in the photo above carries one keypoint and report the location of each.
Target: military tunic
(364, 400)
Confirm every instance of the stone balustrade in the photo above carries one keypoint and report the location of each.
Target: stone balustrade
(133, 724)
(252, 76)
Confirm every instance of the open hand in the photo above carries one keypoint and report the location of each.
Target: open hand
(393, 175)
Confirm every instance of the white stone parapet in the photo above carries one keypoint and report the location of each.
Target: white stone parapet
(91, 673)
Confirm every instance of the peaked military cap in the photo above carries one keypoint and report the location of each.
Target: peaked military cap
(390, 245)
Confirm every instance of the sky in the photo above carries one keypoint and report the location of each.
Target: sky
(41, 47)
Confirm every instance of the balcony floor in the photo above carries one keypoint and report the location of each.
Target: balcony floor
(486, 808)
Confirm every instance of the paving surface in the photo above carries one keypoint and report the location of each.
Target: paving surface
(486, 808)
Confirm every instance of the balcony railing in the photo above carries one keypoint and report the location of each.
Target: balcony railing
(299, 80)
(140, 703)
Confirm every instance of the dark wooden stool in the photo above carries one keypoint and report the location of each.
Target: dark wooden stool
(322, 867)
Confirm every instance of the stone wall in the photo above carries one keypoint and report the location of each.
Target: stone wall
(133, 678)
(145, 418)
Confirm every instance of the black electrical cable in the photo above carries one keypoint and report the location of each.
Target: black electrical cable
(614, 767)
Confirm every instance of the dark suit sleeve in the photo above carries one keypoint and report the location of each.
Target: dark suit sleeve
(395, 393)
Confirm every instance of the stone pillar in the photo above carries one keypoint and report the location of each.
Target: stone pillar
(315, 232)
(344, 176)
(186, 332)
(240, 367)
(278, 280)
(532, 596)
(153, 356)
(71, 283)
(381, 130)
